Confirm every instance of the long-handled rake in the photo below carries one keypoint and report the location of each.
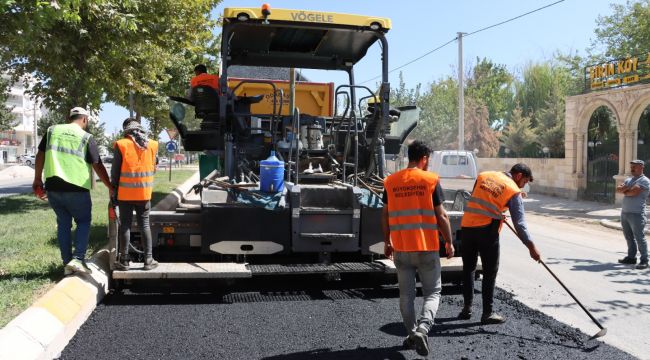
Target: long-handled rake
(603, 330)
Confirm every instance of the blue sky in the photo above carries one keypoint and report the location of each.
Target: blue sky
(420, 26)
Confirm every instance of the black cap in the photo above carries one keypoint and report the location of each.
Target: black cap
(521, 168)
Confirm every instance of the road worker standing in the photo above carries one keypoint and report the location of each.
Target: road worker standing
(494, 192)
(134, 165)
(412, 216)
(66, 154)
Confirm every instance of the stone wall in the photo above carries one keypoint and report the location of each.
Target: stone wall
(552, 176)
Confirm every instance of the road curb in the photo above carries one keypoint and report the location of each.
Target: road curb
(617, 225)
(177, 195)
(45, 328)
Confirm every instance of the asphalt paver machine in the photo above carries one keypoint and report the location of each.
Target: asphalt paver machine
(320, 212)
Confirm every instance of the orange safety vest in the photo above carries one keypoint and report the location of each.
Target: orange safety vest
(411, 215)
(136, 173)
(489, 199)
(205, 79)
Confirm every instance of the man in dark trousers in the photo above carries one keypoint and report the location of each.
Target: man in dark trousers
(494, 192)
(412, 216)
(134, 166)
(67, 153)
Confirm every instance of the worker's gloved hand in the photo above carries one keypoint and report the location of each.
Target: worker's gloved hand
(39, 191)
(388, 250)
(449, 247)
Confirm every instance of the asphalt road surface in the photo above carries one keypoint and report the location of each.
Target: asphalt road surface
(288, 318)
(584, 256)
(15, 186)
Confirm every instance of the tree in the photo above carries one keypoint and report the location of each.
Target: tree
(626, 32)
(492, 84)
(85, 52)
(95, 128)
(518, 134)
(478, 134)
(439, 114)
(550, 132)
(7, 119)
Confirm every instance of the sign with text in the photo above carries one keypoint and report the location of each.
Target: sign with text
(611, 74)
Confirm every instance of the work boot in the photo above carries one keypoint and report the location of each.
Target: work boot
(627, 260)
(122, 264)
(466, 313)
(421, 341)
(492, 318)
(150, 263)
(642, 265)
(408, 343)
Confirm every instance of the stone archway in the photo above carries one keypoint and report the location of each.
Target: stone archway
(627, 105)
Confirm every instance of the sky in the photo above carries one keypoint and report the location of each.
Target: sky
(421, 26)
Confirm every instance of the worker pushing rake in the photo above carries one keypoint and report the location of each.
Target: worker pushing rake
(494, 193)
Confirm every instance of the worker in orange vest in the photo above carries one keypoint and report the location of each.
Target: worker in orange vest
(134, 165)
(494, 192)
(202, 78)
(412, 217)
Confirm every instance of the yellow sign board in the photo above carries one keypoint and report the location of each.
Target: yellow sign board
(619, 72)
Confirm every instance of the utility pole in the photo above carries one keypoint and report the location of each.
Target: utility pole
(292, 92)
(461, 95)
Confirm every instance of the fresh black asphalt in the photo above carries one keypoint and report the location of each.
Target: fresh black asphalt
(287, 318)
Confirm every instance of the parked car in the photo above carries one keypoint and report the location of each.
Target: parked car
(28, 159)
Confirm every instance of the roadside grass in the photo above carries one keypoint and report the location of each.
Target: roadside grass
(30, 261)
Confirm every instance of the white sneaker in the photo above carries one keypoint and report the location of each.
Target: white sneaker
(310, 170)
(318, 170)
(77, 266)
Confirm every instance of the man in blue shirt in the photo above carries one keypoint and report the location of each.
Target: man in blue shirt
(635, 190)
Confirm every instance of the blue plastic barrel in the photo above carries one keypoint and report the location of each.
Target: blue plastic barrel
(272, 174)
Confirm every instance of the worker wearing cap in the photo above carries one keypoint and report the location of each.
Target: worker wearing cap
(66, 154)
(134, 165)
(635, 190)
(412, 215)
(494, 192)
(202, 78)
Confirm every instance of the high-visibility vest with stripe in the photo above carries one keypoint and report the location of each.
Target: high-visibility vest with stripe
(65, 154)
(137, 171)
(411, 214)
(205, 80)
(489, 199)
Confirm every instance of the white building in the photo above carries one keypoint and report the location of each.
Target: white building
(20, 140)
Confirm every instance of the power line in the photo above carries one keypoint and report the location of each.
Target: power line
(514, 18)
(414, 60)
(466, 35)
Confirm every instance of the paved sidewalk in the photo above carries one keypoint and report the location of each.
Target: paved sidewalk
(607, 215)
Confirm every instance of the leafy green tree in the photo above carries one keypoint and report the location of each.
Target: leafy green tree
(625, 32)
(550, 132)
(519, 133)
(85, 52)
(7, 118)
(401, 96)
(478, 134)
(438, 125)
(492, 84)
